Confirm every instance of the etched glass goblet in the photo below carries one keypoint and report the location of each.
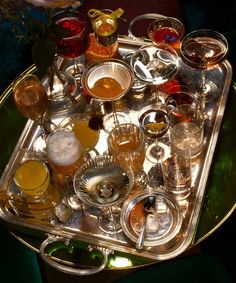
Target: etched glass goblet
(101, 182)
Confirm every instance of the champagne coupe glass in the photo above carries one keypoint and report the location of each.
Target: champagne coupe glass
(204, 49)
(108, 80)
(73, 39)
(155, 64)
(102, 183)
(167, 30)
(31, 100)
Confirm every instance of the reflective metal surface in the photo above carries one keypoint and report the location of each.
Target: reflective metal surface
(214, 209)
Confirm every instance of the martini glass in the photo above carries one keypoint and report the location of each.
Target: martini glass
(155, 64)
(32, 102)
(203, 50)
(71, 38)
(102, 183)
(108, 81)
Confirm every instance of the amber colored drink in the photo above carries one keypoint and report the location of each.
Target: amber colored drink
(203, 52)
(65, 153)
(32, 178)
(80, 126)
(106, 88)
(126, 144)
(30, 97)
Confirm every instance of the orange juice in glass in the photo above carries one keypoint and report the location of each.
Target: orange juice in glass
(126, 142)
(33, 178)
(79, 125)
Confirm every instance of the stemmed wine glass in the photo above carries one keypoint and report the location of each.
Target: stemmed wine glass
(204, 49)
(154, 121)
(167, 30)
(102, 183)
(31, 100)
(71, 36)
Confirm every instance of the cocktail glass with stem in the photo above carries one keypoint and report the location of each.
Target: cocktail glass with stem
(155, 64)
(154, 121)
(108, 81)
(203, 50)
(167, 30)
(71, 38)
(102, 183)
(31, 100)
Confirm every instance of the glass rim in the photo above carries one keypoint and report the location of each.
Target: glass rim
(204, 33)
(179, 25)
(55, 20)
(94, 65)
(22, 77)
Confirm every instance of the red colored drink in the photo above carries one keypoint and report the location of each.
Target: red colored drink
(178, 98)
(165, 34)
(75, 42)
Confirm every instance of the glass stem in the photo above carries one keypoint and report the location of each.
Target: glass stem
(111, 217)
(203, 82)
(116, 121)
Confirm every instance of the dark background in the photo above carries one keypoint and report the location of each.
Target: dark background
(14, 58)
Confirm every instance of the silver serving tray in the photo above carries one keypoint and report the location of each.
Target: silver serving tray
(84, 227)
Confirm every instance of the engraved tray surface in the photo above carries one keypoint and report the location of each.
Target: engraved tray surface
(84, 226)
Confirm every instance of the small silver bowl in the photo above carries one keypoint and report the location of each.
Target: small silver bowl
(110, 68)
(164, 225)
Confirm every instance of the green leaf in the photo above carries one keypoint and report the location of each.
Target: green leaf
(43, 53)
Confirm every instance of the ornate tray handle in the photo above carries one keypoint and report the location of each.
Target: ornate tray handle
(68, 269)
(147, 16)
